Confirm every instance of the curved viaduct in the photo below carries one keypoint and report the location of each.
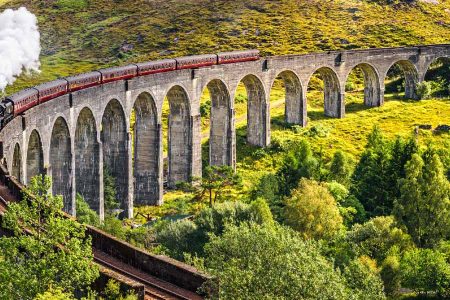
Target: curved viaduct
(74, 136)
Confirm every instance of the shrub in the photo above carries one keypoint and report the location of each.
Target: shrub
(72, 5)
(423, 90)
(180, 237)
(84, 213)
(189, 237)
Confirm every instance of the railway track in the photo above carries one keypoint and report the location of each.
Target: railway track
(154, 287)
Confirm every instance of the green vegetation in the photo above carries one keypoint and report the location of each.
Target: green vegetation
(313, 211)
(340, 209)
(54, 254)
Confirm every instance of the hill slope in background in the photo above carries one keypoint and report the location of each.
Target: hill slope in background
(80, 35)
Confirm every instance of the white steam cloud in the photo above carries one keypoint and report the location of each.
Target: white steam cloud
(19, 44)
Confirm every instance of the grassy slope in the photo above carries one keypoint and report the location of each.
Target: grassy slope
(89, 35)
(78, 35)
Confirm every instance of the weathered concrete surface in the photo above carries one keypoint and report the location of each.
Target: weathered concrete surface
(98, 120)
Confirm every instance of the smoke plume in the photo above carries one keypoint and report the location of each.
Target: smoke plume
(19, 44)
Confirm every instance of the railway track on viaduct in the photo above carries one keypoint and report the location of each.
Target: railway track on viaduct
(149, 286)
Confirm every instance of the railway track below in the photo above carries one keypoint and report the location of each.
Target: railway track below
(159, 280)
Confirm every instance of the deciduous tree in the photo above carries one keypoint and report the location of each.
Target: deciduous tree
(313, 211)
(53, 253)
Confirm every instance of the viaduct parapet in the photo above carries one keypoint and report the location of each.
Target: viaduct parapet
(73, 137)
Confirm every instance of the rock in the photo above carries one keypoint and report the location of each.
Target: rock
(442, 128)
(430, 1)
(126, 47)
(425, 126)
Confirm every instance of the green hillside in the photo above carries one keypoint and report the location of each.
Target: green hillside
(79, 35)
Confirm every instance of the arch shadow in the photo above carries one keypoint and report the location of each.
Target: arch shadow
(61, 162)
(35, 156)
(333, 101)
(179, 136)
(147, 150)
(87, 181)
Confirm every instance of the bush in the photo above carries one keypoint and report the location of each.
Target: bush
(376, 238)
(205, 109)
(180, 237)
(423, 90)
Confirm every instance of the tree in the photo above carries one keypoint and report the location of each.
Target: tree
(377, 237)
(54, 294)
(371, 180)
(347, 207)
(313, 211)
(425, 270)
(340, 168)
(216, 181)
(188, 236)
(298, 163)
(53, 253)
(110, 191)
(390, 273)
(402, 152)
(270, 262)
(424, 205)
(363, 279)
(85, 214)
(268, 188)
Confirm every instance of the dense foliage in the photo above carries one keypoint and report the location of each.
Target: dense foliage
(47, 249)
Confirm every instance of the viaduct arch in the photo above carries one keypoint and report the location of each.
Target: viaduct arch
(117, 127)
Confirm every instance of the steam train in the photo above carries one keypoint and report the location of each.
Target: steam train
(20, 102)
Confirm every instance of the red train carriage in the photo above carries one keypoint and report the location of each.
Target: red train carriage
(83, 81)
(52, 89)
(237, 56)
(21, 101)
(196, 61)
(26, 99)
(159, 66)
(118, 73)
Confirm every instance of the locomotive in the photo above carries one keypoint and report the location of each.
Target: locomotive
(18, 103)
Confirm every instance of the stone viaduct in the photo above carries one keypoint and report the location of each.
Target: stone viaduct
(74, 136)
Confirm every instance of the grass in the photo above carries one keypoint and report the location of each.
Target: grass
(397, 117)
(82, 35)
